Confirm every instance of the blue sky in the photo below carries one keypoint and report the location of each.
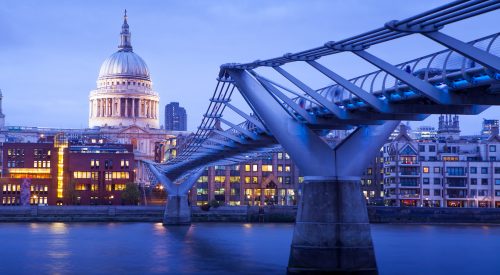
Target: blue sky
(51, 51)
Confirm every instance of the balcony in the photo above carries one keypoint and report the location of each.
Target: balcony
(409, 196)
(409, 174)
(456, 196)
(409, 163)
(456, 185)
(456, 175)
(409, 185)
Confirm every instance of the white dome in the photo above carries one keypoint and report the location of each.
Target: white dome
(125, 64)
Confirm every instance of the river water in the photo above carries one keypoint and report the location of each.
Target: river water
(229, 248)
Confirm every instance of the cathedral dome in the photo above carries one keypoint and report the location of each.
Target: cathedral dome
(125, 64)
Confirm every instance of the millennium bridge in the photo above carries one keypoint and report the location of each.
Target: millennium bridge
(332, 231)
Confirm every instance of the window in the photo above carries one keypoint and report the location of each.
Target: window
(493, 148)
(425, 180)
(255, 168)
(484, 181)
(280, 168)
(426, 192)
(247, 167)
(437, 181)
(267, 168)
(437, 169)
(497, 193)
(287, 156)
(425, 169)
(432, 148)
(455, 158)
(280, 155)
(497, 181)
(455, 171)
(280, 179)
(482, 192)
(473, 170)
(247, 179)
(421, 148)
(473, 181)
(287, 168)
(497, 170)
(484, 170)
(437, 192)
(255, 180)
(368, 182)
(369, 171)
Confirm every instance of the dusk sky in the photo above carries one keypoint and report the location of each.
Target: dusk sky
(51, 51)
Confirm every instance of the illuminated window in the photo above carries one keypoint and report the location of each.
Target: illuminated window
(80, 187)
(426, 169)
(120, 187)
(203, 179)
(255, 180)
(219, 179)
(267, 168)
(280, 179)
(280, 155)
(287, 168)
(247, 179)
(280, 168)
(234, 179)
(255, 168)
(247, 167)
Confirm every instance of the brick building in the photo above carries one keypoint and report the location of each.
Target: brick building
(60, 173)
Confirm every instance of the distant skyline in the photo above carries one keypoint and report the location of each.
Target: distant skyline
(51, 51)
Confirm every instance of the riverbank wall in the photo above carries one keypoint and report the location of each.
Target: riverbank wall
(377, 214)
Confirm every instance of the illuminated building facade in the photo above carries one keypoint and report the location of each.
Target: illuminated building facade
(271, 181)
(443, 172)
(62, 173)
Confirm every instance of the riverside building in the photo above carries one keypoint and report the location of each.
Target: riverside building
(449, 171)
(55, 171)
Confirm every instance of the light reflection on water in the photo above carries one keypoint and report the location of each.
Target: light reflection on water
(228, 248)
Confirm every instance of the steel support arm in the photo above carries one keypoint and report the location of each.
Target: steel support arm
(239, 129)
(427, 89)
(252, 120)
(486, 59)
(356, 151)
(369, 98)
(330, 106)
(162, 178)
(311, 154)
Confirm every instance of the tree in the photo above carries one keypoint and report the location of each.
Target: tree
(131, 194)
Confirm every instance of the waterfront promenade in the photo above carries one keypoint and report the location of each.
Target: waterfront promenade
(377, 214)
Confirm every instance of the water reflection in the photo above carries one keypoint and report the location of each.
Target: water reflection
(229, 248)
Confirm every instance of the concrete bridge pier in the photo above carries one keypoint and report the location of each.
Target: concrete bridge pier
(332, 233)
(177, 210)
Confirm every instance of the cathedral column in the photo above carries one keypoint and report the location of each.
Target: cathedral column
(102, 107)
(133, 107)
(110, 106)
(119, 111)
(126, 107)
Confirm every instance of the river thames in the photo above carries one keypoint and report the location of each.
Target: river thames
(228, 248)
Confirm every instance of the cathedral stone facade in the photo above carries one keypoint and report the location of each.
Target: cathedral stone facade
(124, 95)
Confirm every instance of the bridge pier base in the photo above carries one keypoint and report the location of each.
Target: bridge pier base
(332, 232)
(177, 211)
